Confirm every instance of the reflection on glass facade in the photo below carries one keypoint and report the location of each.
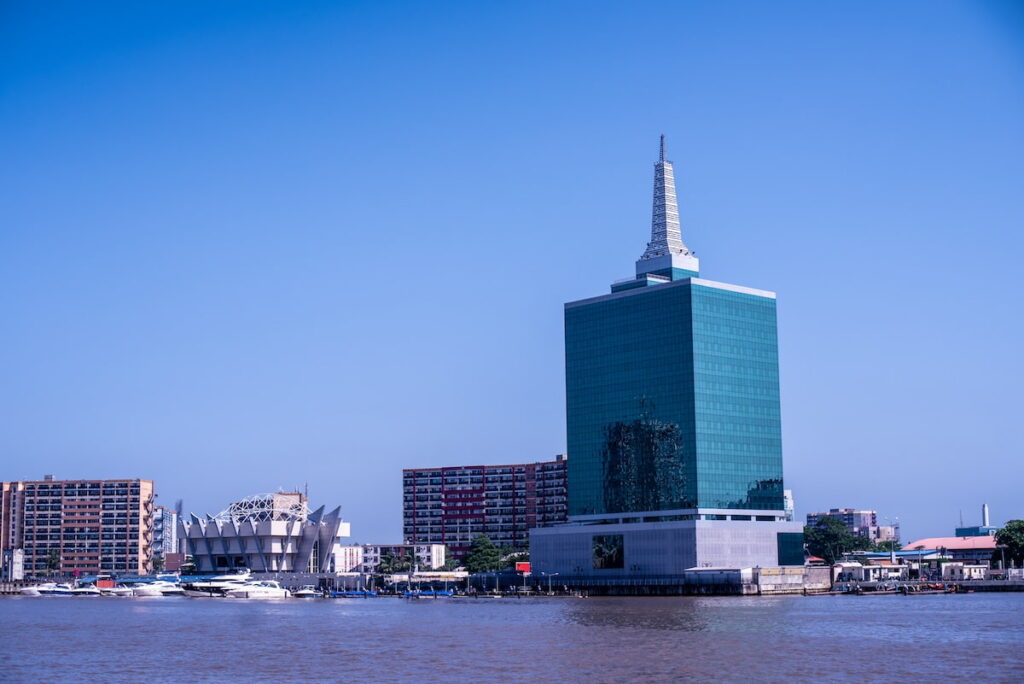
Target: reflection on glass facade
(609, 552)
(791, 548)
(642, 464)
(672, 398)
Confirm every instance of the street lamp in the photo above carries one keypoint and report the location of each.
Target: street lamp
(550, 575)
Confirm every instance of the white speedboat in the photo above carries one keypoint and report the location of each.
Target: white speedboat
(36, 589)
(216, 586)
(308, 591)
(253, 590)
(51, 589)
(117, 590)
(168, 588)
(158, 588)
(87, 590)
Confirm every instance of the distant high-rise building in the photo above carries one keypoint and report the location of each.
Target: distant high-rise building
(453, 504)
(862, 523)
(673, 422)
(79, 526)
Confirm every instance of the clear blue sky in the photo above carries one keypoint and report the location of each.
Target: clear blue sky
(250, 245)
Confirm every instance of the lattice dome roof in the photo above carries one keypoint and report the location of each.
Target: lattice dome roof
(264, 507)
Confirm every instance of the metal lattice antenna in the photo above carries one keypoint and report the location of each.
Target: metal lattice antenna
(661, 155)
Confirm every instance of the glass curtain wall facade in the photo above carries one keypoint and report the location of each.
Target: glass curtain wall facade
(672, 397)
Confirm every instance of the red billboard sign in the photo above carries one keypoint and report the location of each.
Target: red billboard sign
(523, 567)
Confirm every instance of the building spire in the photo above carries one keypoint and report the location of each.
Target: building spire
(666, 237)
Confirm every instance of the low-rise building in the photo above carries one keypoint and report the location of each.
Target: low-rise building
(12, 564)
(960, 572)
(348, 558)
(368, 557)
(978, 548)
(266, 533)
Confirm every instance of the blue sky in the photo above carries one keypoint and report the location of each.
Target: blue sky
(258, 245)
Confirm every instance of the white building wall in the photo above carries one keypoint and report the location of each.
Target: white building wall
(739, 544)
(659, 549)
(348, 558)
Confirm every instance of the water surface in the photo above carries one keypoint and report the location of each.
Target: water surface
(976, 637)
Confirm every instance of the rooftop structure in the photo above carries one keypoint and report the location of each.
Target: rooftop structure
(666, 254)
(983, 530)
(286, 506)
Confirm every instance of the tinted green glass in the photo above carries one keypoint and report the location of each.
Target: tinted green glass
(608, 551)
(791, 548)
(672, 400)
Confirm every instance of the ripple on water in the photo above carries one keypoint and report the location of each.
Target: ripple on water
(612, 640)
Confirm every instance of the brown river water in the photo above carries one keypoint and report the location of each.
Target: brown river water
(976, 637)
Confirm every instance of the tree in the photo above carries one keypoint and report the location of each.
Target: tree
(1012, 537)
(450, 564)
(390, 563)
(483, 555)
(158, 564)
(53, 561)
(888, 545)
(829, 539)
(516, 556)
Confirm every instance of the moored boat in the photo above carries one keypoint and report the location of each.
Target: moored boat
(158, 588)
(168, 588)
(216, 586)
(354, 593)
(258, 590)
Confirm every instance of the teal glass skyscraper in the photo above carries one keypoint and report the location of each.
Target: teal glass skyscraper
(673, 418)
(672, 385)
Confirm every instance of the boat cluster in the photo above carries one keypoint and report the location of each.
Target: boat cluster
(125, 588)
(239, 584)
(242, 585)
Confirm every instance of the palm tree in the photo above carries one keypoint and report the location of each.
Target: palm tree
(53, 561)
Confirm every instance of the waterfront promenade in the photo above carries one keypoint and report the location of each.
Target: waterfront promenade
(973, 637)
